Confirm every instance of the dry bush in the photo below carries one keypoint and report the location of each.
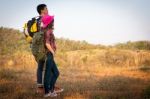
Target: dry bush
(110, 57)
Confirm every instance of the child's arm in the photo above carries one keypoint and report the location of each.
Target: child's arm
(50, 48)
(55, 44)
(47, 43)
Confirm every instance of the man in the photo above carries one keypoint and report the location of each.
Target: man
(42, 10)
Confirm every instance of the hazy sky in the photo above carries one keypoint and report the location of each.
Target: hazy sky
(96, 21)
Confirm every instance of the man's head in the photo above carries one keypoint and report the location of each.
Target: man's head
(42, 9)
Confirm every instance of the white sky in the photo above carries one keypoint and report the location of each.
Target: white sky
(95, 21)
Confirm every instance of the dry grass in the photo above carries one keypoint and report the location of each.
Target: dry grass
(81, 78)
(95, 72)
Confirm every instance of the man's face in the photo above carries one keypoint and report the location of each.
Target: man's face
(44, 11)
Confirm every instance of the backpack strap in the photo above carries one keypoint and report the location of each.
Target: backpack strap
(24, 29)
(39, 23)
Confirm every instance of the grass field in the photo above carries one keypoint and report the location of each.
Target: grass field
(89, 72)
(80, 80)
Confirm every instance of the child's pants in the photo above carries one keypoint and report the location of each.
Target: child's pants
(51, 73)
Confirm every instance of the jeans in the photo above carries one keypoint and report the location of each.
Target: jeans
(51, 73)
(40, 72)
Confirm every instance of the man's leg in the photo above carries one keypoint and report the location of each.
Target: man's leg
(40, 73)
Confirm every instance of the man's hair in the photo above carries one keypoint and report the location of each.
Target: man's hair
(40, 7)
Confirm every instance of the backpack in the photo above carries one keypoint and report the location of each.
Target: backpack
(31, 27)
(38, 48)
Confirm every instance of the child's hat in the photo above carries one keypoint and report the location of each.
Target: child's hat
(46, 20)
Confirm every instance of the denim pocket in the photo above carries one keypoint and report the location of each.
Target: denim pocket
(50, 54)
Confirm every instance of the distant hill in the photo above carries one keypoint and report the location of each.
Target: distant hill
(13, 40)
(13, 47)
(137, 45)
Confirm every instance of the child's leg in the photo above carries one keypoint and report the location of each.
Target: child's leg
(55, 75)
(48, 73)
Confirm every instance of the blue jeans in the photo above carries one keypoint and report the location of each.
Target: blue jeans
(51, 73)
(40, 72)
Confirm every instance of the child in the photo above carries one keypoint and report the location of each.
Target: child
(42, 10)
(51, 70)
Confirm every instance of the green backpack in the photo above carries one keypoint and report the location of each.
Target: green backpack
(38, 48)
